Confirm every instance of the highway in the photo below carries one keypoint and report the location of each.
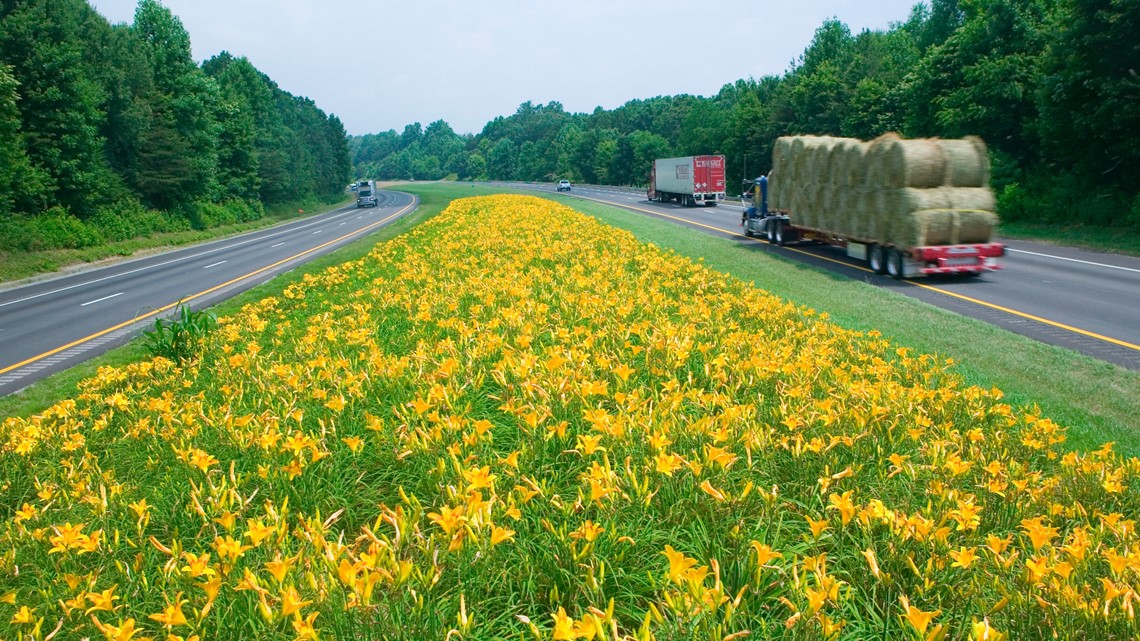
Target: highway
(1082, 300)
(53, 324)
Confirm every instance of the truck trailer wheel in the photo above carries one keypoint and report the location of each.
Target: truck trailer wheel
(895, 260)
(877, 259)
(780, 233)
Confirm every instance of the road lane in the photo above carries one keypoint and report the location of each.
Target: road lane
(1078, 299)
(50, 325)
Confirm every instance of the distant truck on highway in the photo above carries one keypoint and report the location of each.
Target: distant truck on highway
(907, 207)
(688, 180)
(366, 194)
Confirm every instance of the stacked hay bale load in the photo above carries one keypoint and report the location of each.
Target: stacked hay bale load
(906, 193)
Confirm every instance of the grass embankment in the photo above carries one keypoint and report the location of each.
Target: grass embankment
(17, 266)
(514, 422)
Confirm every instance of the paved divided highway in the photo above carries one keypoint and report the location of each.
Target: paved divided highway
(54, 324)
(1082, 300)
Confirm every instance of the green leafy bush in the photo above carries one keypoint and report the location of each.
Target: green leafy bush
(1065, 200)
(53, 229)
(180, 339)
(130, 219)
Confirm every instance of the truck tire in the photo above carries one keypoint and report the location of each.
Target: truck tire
(895, 264)
(770, 231)
(877, 259)
(780, 233)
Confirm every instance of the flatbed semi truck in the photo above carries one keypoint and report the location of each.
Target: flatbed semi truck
(907, 208)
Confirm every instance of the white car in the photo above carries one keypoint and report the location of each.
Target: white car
(563, 185)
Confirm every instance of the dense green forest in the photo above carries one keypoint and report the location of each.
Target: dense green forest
(1051, 85)
(113, 131)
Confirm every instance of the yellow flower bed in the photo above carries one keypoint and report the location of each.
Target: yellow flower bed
(515, 422)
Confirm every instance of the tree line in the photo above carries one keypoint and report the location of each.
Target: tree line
(1051, 85)
(113, 131)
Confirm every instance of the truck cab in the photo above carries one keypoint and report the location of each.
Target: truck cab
(366, 194)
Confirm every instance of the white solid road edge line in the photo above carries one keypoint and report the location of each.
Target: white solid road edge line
(1072, 260)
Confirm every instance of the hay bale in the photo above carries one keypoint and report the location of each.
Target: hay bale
(967, 162)
(799, 162)
(837, 163)
(855, 163)
(899, 205)
(859, 210)
(848, 218)
(900, 202)
(811, 205)
(969, 198)
(924, 227)
(876, 160)
(799, 204)
(878, 225)
(815, 155)
(915, 163)
(976, 226)
(780, 177)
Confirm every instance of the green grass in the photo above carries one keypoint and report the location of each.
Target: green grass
(1097, 401)
(1106, 239)
(22, 265)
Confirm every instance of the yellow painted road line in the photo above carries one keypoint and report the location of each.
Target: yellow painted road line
(1007, 310)
(200, 294)
(1068, 328)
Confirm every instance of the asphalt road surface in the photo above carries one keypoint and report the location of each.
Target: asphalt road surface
(50, 325)
(1078, 299)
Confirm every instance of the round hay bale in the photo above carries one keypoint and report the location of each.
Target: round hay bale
(924, 227)
(875, 158)
(967, 162)
(814, 195)
(860, 211)
(903, 201)
(812, 146)
(855, 163)
(846, 218)
(877, 220)
(976, 226)
(914, 163)
(837, 163)
(800, 201)
(970, 198)
(779, 177)
(799, 161)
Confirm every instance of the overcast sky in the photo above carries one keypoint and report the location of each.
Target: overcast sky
(383, 65)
